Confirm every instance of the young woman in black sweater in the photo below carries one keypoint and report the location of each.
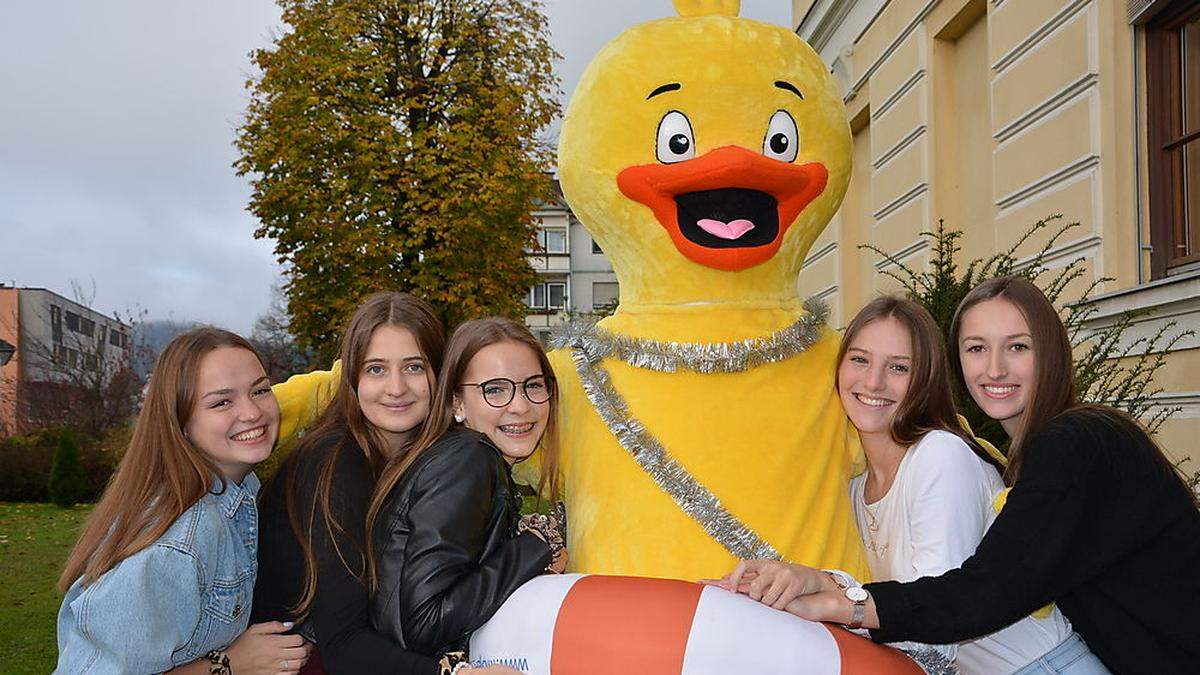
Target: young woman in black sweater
(1097, 521)
(312, 543)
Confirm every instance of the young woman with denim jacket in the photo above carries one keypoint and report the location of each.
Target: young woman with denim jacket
(162, 575)
(448, 546)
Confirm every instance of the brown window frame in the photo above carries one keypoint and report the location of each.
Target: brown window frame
(1166, 137)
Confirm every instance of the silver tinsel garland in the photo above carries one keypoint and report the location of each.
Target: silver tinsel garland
(589, 346)
(932, 661)
(720, 357)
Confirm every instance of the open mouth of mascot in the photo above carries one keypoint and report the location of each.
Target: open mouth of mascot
(728, 209)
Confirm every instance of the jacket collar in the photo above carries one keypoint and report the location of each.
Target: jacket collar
(232, 496)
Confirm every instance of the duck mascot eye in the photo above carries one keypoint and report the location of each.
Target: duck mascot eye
(699, 423)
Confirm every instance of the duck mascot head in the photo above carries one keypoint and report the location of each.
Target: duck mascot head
(705, 153)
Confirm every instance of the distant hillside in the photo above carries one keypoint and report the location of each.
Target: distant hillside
(150, 338)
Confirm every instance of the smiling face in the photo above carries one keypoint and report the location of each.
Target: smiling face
(394, 384)
(995, 349)
(699, 146)
(235, 420)
(874, 375)
(515, 428)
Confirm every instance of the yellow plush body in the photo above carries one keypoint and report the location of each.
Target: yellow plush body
(771, 442)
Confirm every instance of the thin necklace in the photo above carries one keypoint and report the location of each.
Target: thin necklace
(873, 544)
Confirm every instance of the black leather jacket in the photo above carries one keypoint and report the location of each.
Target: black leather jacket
(446, 546)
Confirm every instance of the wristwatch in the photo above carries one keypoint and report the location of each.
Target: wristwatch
(858, 596)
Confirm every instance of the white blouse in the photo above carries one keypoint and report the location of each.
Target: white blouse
(931, 519)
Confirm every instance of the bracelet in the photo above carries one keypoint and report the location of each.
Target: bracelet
(549, 529)
(453, 662)
(220, 662)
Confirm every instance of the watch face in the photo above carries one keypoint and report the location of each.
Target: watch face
(857, 594)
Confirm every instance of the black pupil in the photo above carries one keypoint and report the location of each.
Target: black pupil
(679, 144)
(779, 143)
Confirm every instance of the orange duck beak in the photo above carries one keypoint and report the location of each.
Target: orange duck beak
(729, 208)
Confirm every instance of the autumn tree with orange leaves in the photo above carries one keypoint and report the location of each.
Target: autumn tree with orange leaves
(394, 145)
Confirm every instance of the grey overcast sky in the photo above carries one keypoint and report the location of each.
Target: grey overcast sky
(116, 124)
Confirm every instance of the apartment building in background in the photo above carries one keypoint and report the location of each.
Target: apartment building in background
(993, 114)
(58, 345)
(574, 276)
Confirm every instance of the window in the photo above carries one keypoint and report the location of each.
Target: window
(80, 324)
(91, 362)
(56, 324)
(1173, 122)
(117, 339)
(552, 240)
(557, 294)
(596, 248)
(604, 294)
(537, 296)
(551, 295)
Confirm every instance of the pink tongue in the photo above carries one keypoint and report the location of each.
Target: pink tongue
(730, 230)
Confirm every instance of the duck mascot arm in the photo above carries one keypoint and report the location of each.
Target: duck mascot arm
(699, 423)
(302, 398)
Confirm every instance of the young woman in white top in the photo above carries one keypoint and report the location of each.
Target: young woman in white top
(927, 496)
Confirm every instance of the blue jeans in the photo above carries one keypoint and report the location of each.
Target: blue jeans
(1071, 657)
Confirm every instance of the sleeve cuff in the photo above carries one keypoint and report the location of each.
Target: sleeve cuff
(889, 604)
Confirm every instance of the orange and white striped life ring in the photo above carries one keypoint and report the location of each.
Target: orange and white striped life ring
(577, 624)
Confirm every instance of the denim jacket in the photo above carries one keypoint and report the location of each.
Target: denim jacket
(172, 602)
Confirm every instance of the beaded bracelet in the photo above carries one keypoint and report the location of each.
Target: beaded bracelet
(219, 661)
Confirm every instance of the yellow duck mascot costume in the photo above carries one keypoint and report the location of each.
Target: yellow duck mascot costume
(699, 423)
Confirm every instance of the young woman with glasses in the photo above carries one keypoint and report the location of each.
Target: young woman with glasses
(444, 515)
(312, 561)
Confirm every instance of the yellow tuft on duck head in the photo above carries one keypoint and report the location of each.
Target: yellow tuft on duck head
(705, 153)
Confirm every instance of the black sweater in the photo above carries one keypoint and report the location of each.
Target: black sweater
(1094, 523)
(340, 615)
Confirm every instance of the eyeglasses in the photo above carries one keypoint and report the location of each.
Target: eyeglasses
(500, 391)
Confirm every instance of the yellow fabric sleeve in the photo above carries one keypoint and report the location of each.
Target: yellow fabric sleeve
(302, 398)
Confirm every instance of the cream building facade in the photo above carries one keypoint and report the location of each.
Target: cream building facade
(574, 276)
(993, 114)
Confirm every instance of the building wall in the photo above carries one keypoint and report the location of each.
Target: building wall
(993, 114)
(25, 321)
(580, 268)
(10, 374)
(38, 340)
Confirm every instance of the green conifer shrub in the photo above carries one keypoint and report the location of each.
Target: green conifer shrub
(66, 485)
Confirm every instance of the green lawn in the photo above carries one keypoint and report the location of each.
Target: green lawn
(34, 541)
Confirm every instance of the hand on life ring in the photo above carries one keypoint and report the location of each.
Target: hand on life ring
(578, 624)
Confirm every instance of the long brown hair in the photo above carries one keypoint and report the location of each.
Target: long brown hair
(464, 344)
(1054, 391)
(928, 405)
(161, 474)
(344, 419)
(1054, 378)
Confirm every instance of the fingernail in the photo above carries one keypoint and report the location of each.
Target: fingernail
(288, 625)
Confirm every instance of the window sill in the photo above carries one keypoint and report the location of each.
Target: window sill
(1157, 303)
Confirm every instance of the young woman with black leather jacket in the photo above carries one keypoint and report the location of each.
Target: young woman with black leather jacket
(445, 515)
(314, 547)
